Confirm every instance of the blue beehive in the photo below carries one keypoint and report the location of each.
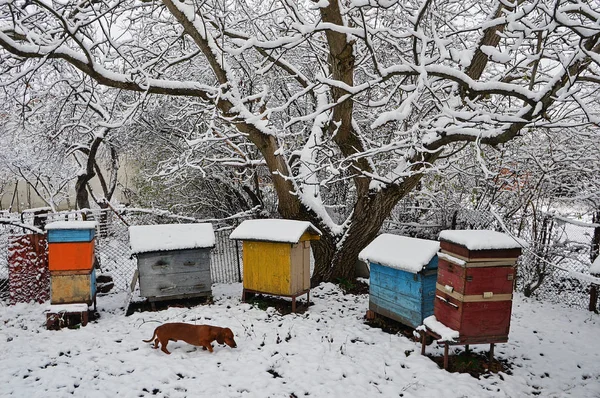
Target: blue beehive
(403, 273)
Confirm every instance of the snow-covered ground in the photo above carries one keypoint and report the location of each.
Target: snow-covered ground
(326, 352)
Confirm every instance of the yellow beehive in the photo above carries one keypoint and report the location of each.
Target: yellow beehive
(276, 256)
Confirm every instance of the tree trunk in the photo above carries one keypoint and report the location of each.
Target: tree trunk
(81, 194)
(335, 259)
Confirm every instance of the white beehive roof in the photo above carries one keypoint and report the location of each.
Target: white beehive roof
(273, 230)
(482, 239)
(400, 252)
(163, 237)
(71, 225)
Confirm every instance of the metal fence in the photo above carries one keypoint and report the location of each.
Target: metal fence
(115, 257)
(5, 231)
(112, 245)
(554, 266)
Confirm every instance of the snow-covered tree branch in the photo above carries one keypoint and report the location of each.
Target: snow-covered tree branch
(340, 98)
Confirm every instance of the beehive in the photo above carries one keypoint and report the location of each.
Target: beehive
(71, 245)
(71, 248)
(276, 256)
(173, 260)
(476, 273)
(403, 273)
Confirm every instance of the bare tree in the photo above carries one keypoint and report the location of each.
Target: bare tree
(340, 98)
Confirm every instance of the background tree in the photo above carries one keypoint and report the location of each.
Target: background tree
(339, 99)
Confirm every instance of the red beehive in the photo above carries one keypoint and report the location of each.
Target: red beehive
(476, 273)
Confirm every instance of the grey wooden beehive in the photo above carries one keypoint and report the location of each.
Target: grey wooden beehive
(173, 260)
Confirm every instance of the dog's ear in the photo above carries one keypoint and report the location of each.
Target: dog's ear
(220, 338)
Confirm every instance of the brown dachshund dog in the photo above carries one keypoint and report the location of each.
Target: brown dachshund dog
(199, 335)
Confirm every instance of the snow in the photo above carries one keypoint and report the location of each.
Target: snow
(400, 252)
(149, 238)
(273, 230)
(452, 259)
(595, 267)
(55, 308)
(326, 352)
(71, 225)
(445, 333)
(482, 239)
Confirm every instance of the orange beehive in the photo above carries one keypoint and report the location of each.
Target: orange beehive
(71, 256)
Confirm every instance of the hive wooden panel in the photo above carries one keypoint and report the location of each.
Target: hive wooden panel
(400, 295)
(71, 256)
(477, 321)
(67, 287)
(300, 267)
(70, 235)
(476, 281)
(175, 274)
(479, 255)
(267, 267)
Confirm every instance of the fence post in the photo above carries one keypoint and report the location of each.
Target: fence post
(593, 298)
(594, 253)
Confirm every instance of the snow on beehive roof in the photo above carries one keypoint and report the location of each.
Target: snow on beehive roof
(400, 252)
(151, 238)
(482, 239)
(71, 225)
(273, 230)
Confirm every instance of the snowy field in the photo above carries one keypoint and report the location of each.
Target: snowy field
(326, 352)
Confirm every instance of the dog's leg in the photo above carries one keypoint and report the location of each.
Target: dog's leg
(207, 346)
(163, 347)
(155, 343)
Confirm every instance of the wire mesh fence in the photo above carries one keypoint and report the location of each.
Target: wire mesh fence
(112, 248)
(115, 257)
(554, 267)
(5, 231)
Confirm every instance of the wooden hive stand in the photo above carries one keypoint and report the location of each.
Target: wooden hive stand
(66, 315)
(447, 337)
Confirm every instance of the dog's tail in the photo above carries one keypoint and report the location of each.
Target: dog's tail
(151, 338)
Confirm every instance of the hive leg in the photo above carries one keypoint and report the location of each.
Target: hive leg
(446, 355)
